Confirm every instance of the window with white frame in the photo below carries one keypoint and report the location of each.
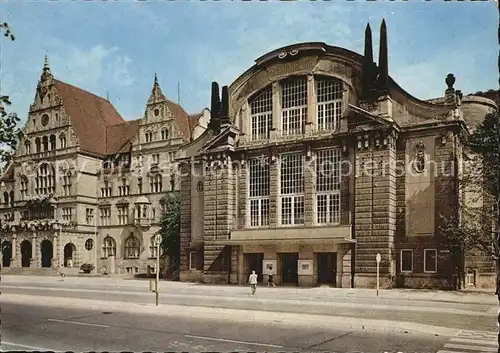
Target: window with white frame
(430, 260)
(294, 106)
(155, 183)
(105, 215)
(193, 260)
(45, 182)
(67, 214)
(328, 186)
(292, 189)
(106, 189)
(122, 214)
(89, 216)
(258, 186)
(23, 189)
(407, 260)
(329, 103)
(67, 185)
(124, 188)
(261, 110)
(132, 247)
(108, 247)
(153, 248)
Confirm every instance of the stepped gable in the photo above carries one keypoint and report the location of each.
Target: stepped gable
(91, 116)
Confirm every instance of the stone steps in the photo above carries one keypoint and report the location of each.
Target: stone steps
(27, 271)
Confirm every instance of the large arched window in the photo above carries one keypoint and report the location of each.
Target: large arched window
(108, 247)
(38, 145)
(52, 142)
(329, 103)
(294, 106)
(153, 248)
(45, 182)
(132, 247)
(261, 110)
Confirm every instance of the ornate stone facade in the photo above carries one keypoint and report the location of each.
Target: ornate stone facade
(85, 185)
(324, 163)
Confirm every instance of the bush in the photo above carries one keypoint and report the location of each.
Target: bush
(87, 268)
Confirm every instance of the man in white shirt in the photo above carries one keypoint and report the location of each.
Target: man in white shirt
(253, 281)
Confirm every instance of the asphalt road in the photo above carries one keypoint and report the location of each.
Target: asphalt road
(31, 327)
(477, 315)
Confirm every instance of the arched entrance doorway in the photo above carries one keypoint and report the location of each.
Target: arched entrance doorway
(6, 253)
(69, 254)
(26, 253)
(47, 253)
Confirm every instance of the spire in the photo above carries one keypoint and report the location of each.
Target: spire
(383, 61)
(368, 73)
(225, 105)
(46, 74)
(46, 64)
(156, 93)
(215, 109)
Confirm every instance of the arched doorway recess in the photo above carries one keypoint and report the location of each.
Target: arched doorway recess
(69, 254)
(26, 253)
(6, 253)
(47, 253)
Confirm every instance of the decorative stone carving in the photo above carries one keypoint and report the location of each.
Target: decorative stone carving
(419, 162)
(450, 81)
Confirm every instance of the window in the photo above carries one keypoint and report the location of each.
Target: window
(329, 103)
(6, 197)
(108, 247)
(328, 186)
(149, 136)
(89, 216)
(155, 158)
(153, 247)
(164, 134)
(294, 106)
(89, 244)
(171, 156)
(292, 189)
(105, 215)
(406, 260)
(172, 182)
(122, 215)
(258, 186)
(155, 183)
(45, 143)
(261, 110)
(45, 182)
(132, 247)
(124, 188)
(38, 145)
(139, 185)
(67, 185)
(23, 189)
(62, 140)
(27, 147)
(106, 189)
(470, 278)
(67, 214)
(430, 260)
(52, 142)
(193, 260)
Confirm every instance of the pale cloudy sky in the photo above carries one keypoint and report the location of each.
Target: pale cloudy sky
(117, 46)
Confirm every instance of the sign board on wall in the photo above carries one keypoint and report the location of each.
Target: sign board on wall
(269, 267)
(305, 267)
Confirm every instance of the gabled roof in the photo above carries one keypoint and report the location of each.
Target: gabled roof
(181, 118)
(119, 137)
(8, 174)
(91, 116)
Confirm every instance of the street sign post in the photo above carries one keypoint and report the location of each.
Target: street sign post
(158, 242)
(378, 258)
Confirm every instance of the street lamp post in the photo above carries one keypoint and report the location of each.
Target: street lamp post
(378, 258)
(158, 241)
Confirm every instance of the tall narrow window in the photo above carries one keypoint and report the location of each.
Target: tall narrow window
(139, 185)
(328, 186)
(108, 247)
(329, 101)
(105, 215)
(261, 108)
(164, 134)
(23, 189)
(106, 189)
(38, 145)
(27, 147)
(52, 142)
(149, 136)
(292, 189)
(124, 188)
(89, 216)
(259, 192)
(45, 143)
(67, 184)
(132, 247)
(62, 140)
(430, 260)
(294, 106)
(45, 182)
(122, 215)
(155, 183)
(67, 214)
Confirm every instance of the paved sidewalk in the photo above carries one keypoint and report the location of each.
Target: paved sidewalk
(295, 292)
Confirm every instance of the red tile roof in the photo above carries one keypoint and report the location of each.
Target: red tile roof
(193, 120)
(181, 119)
(119, 137)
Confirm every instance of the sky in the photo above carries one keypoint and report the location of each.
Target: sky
(115, 47)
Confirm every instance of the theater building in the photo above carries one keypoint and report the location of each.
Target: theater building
(314, 161)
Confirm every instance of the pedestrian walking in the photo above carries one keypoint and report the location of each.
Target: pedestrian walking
(270, 280)
(252, 279)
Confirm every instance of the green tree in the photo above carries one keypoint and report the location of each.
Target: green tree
(475, 217)
(9, 130)
(170, 228)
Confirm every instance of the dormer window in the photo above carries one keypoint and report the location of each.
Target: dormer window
(149, 136)
(164, 134)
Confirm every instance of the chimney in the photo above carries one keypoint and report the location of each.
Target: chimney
(225, 106)
(215, 109)
(383, 62)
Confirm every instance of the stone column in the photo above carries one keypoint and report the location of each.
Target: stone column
(13, 260)
(34, 251)
(311, 106)
(277, 125)
(55, 262)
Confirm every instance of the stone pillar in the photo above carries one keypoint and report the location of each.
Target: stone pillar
(277, 126)
(274, 201)
(34, 251)
(309, 189)
(55, 257)
(13, 260)
(311, 107)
